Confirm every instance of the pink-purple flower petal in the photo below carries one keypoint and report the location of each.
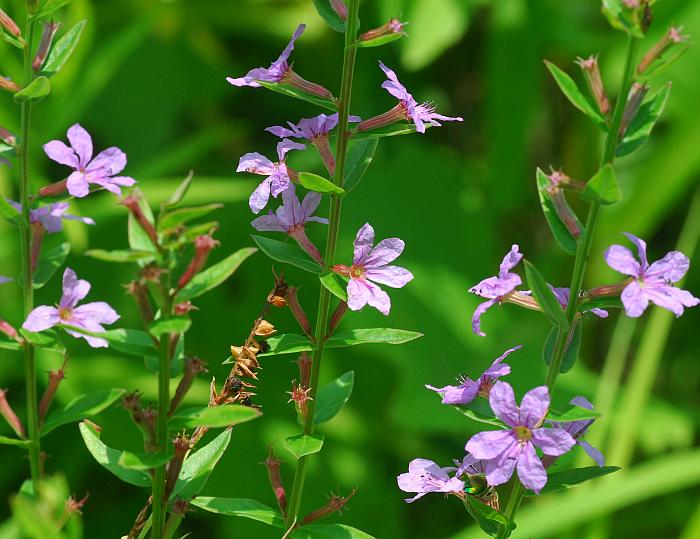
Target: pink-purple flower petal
(502, 401)
(553, 441)
(534, 407)
(531, 472)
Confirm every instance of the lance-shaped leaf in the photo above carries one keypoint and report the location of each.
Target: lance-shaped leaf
(334, 284)
(357, 161)
(488, 519)
(108, 458)
(7, 211)
(328, 531)
(213, 416)
(331, 398)
(35, 91)
(571, 90)
(603, 187)
(214, 275)
(81, 407)
(62, 49)
(119, 256)
(560, 231)
(303, 444)
(287, 253)
(143, 461)
(199, 465)
(291, 91)
(49, 7)
(179, 193)
(567, 479)
(622, 18)
(314, 182)
(386, 131)
(479, 410)
(600, 303)
(545, 297)
(328, 14)
(130, 341)
(643, 122)
(287, 343)
(175, 218)
(240, 507)
(575, 413)
(572, 348)
(6, 440)
(48, 340)
(173, 324)
(378, 41)
(371, 336)
(49, 262)
(11, 39)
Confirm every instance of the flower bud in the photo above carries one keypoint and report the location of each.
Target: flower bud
(132, 203)
(8, 24)
(393, 27)
(297, 311)
(55, 379)
(182, 446)
(272, 464)
(10, 416)
(300, 396)
(304, 363)
(294, 79)
(340, 8)
(139, 291)
(9, 330)
(193, 366)
(7, 84)
(184, 308)
(634, 101)
(335, 503)
(202, 245)
(672, 37)
(54, 189)
(392, 116)
(591, 73)
(8, 138)
(47, 34)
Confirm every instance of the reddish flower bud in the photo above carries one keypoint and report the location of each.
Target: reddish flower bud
(55, 379)
(7, 84)
(182, 446)
(139, 291)
(294, 79)
(7, 137)
(9, 330)
(300, 397)
(591, 73)
(8, 24)
(47, 34)
(634, 101)
(672, 37)
(340, 8)
(193, 366)
(132, 204)
(335, 503)
(272, 464)
(151, 273)
(10, 416)
(393, 115)
(304, 363)
(54, 189)
(297, 310)
(202, 245)
(610, 290)
(181, 309)
(394, 26)
(337, 316)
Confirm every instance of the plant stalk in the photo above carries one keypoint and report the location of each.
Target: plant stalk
(321, 333)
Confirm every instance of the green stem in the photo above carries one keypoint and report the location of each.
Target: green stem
(583, 253)
(331, 242)
(34, 446)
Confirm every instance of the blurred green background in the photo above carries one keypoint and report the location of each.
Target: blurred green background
(149, 77)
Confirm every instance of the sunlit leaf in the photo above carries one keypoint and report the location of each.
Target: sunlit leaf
(575, 96)
(35, 91)
(314, 182)
(303, 444)
(603, 187)
(545, 297)
(199, 465)
(331, 398)
(213, 416)
(287, 253)
(240, 507)
(62, 49)
(81, 407)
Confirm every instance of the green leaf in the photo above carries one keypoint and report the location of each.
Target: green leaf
(333, 283)
(181, 191)
(621, 18)
(565, 480)
(48, 340)
(545, 297)
(119, 256)
(479, 410)
(603, 187)
(600, 303)
(174, 324)
(213, 416)
(575, 96)
(369, 336)
(328, 14)
(287, 343)
(559, 230)
(331, 398)
(359, 157)
(643, 122)
(7, 211)
(49, 7)
(81, 407)
(143, 461)
(199, 465)
(6, 440)
(381, 40)
(287, 253)
(393, 130)
(314, 182)
(130, 341)
(108, 458)
(62, 49)
(240, 507)
(328, 531)
(303, 444)
(291, 91)
(12, 40)
(572, 350)
(29, 518)
(575, 413)
(488, 519)
(35, 91)
(50, 260)
(176, 218)
(214, 275)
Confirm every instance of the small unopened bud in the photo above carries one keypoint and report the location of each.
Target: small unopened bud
(181, 309)
(139, 291)
(193, 366)
(294, 79)
(10, 416)
(182, 445)
(672, 37)
(392, 116)
(8, 24)
(272, 464)
(9, 330)
(54, 189)
(71, 507)
(393, 27)
(55, 379)
(7, 84)
(565, 213)
(591, 72)
(297, 310)
(300, 396)
(304, 363)
(337, 317)
(335, 503)
(47, 34)
(264, 329)
(151, 273)
(322, 144)
(634, 101)
(340, 8)
(7, 137)
(144, 418)
(559, 179)
(132, 203)
(203, 246)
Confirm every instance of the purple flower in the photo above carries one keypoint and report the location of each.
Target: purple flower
(291, 217)
(371, 265)
(278, 175)
(4, 280)
(515, 446)
(51, 216)
(281, 71)
(495, 288)
(468, 389)
(425, 476)
(89, 316)
(562, 294)
(578, 429)
(100, 171)
(650, 282)
(408, 108)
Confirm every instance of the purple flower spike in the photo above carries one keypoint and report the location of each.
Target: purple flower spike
(562, 295)
(371, 265)
(469, 389)
(51, 216)
(651, 282)
(90, 316)
(578, 429)
(515, 446)
(495, 288)
(407, 109)
(425, 476)
(99, 171)
(279, 177)
(291, 217)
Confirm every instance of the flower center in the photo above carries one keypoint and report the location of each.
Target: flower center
(357, 272)
(64, 314)
(523, 434)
